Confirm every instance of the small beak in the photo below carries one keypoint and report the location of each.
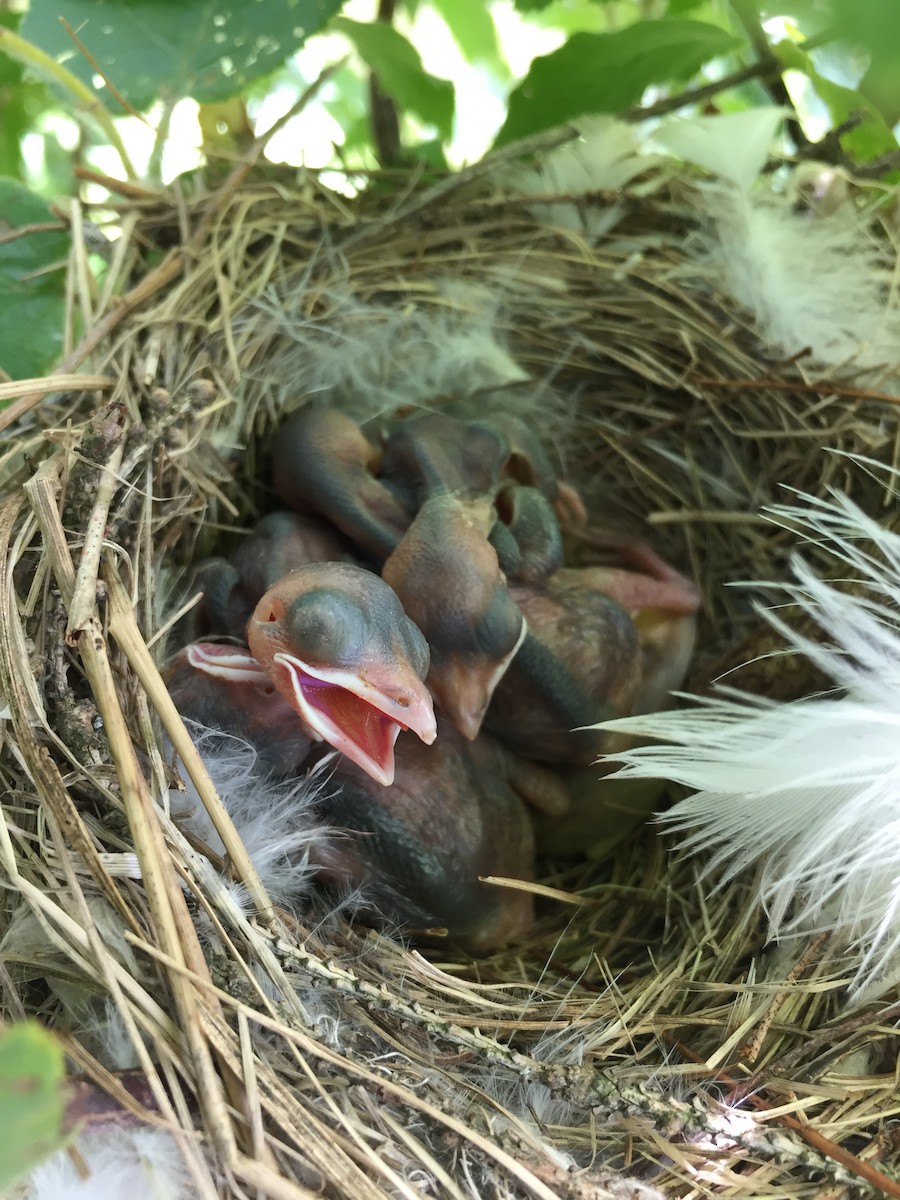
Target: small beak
(464, 689)
(358, 719)
(226, 662)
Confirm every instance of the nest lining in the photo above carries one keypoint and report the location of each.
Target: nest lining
(642, 998)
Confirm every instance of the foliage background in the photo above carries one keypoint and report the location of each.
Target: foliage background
(153, 90)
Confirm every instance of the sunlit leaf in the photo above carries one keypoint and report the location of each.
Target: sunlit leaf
(32, 281)
(32, 1099)
(208, 49)
(400, 72)
(472, 26)
(570, 16)
(608, 72)
(872, 137)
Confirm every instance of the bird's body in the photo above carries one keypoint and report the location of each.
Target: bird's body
(473, 607)
(418, 847)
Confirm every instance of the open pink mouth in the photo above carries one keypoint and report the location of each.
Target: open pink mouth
(354, 724)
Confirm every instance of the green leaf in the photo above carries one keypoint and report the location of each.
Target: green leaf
(472, 26)
(32, 282)
(874, 24)
(569, 16)
(400, 72)
(32, 1099)
(872, 137)
(208, 49)
(677, 7)
(12, 106)
(608, 72)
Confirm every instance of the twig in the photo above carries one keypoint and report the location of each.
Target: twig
(874, 1178)
(878, 166)
(98, 70)
(172, 922)
(324, 76)
(524, 148)
(84, 596)
(123, 628)
(670, 104)
(382, 110)
(36, 59)
(748, 15)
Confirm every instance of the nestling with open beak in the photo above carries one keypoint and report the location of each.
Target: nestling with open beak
(336, 643)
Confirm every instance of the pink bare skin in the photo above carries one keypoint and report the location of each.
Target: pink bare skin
(224, 687)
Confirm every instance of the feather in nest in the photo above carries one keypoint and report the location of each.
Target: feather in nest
(806, 792)
(813, 278)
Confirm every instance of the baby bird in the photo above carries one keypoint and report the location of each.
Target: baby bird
(279, 543)
(224, 687)
(449, 581)
(417, 848)
(322, 461)
(336, 643)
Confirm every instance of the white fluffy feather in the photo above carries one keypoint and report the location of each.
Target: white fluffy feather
(276, 820)
(607, 156)
(807, 792)
(822, 283)
(817, 283)
(140, 1164)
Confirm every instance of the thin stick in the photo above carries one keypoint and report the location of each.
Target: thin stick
(124, 629)
(98, 70)
(84, 595)
(174, 928)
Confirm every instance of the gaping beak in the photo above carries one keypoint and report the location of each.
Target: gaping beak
(358, 719)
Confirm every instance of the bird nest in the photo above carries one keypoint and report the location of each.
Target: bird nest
(638, 1042)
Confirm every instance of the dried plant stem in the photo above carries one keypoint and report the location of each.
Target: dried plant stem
(124, 629)
(84, 595)
(174, 928)
(589, 1089)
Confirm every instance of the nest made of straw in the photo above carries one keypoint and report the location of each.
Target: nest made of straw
(635, 1038)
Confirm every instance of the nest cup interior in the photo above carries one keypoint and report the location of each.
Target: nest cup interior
(678, 424)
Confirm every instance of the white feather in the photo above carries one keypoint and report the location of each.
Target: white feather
(276, 819)
(822, 284)
(140, 1164)
(733, 146)
(806, 792)
(607, 156)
